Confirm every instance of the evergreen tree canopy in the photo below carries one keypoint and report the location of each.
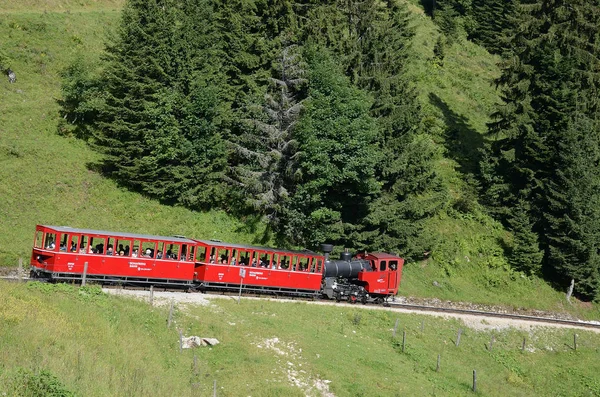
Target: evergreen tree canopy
(338, 153)
(158, 124)
(550, 90)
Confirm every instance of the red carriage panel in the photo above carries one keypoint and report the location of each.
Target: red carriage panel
(112, 254)
(263, 267)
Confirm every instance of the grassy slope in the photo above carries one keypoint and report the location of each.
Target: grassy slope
(98, 345)
(45, 178)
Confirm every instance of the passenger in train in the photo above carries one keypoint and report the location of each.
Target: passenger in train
(134, 254)
(121, 248)
(148, 253)
(233, 261)
(212, 259)
(110, 250)
(82, 248)
(100, 248)
(169, 254)
(121, 253)
(254, 262)
(73, 246)
(51, 245)
(159, 254)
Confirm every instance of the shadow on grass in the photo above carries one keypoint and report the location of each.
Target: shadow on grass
(463, 142)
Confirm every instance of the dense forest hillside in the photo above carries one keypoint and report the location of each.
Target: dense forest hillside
(364, 124)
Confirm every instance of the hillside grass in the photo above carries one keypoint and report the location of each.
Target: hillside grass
(88, 343)
(50, 179)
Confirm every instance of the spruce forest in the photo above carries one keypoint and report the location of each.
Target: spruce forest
(303, 115)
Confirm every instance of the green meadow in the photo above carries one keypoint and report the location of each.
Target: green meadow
(79, 341)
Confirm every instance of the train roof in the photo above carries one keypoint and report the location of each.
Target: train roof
(212, 243)
(67, 229)
(215, 243)
(383, 255)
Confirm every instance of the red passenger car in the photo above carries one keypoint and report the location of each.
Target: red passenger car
(225, 265)
(61, 253)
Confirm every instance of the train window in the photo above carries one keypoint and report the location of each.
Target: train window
(303, 264)
(223, 256)
(160, 250)
(393, 265)
(172, 251)
(294, 263)
(97, 245)
(83, 245)
(244, 258)
(265, 260)
(37, 242)
(50, 243)
(319, 265)
(148, 249)
(213, 255)
(184, 253)
(63, 242)
(201, 254)
(110, 248)
(74, 243)
(123, 247)
(191, 256)
(135, 249)
(382, 266)
(234, 256)
(285, 262)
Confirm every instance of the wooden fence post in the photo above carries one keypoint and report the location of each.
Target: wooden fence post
(85, 269)
(403, 341)
(20, 270)
(170, 319)
(474, 380)
(152, 295)
(458, 336)
(523, 347)
(215, 388)
(437, 369)
(492, 342)
(574, 341)
(422, 325)
(395, 328)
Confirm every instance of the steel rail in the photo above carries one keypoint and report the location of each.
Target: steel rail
(484, 314)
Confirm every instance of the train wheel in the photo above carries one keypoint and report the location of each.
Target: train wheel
(379, 300)
(363, 300)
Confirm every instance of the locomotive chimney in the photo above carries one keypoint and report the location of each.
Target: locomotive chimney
(326, 248)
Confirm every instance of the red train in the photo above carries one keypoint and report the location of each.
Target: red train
(64, 253)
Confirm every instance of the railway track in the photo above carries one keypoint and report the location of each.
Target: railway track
(393, 305)
(485, 314)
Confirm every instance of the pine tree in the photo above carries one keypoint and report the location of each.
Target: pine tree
(551, 90)
(495, 21)
(153, 124)
(337, 144)
(268, 153)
